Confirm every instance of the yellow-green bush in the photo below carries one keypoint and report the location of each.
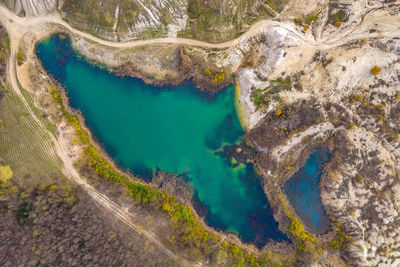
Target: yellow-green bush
(5, 173)
(208, 72)
(219, 77)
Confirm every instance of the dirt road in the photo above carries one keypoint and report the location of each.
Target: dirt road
(23, 24)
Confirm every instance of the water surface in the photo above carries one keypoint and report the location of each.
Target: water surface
(302, 190)
(176, 129)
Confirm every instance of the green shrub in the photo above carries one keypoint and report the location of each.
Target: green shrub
(311, 19)
(298, 21)
(20, 58)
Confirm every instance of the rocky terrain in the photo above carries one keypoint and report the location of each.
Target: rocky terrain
(347, 85)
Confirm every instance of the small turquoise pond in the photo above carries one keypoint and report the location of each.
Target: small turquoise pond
(176, 129)
(302, 190)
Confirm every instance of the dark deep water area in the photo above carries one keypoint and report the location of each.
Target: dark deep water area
(177, 129)
(302, 190)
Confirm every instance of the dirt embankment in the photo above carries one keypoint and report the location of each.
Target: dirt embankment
(185, 69)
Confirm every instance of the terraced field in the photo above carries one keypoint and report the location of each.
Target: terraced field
(25, 146)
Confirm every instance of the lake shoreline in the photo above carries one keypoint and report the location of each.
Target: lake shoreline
(185, 72)
(282, 248)
(296, 183)
(277, 247)
(172, 67)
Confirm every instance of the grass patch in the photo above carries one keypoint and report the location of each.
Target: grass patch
(242, 258)
(38, 113)
(277, 5)
(307, 21)
(263, 97)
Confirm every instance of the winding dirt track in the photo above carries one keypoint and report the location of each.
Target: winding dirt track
(54, 18)
(357, 31)
(18, 27)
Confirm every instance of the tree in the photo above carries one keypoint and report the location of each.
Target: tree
(5, 173)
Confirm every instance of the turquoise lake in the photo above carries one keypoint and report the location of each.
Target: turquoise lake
(176, 129)
(303, 192)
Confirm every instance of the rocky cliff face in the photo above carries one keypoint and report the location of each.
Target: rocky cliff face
(30, 8)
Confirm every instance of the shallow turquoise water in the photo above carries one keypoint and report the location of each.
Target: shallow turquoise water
(176, 129)
(303, 191)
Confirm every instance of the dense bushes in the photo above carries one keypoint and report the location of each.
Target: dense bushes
(61, 226)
